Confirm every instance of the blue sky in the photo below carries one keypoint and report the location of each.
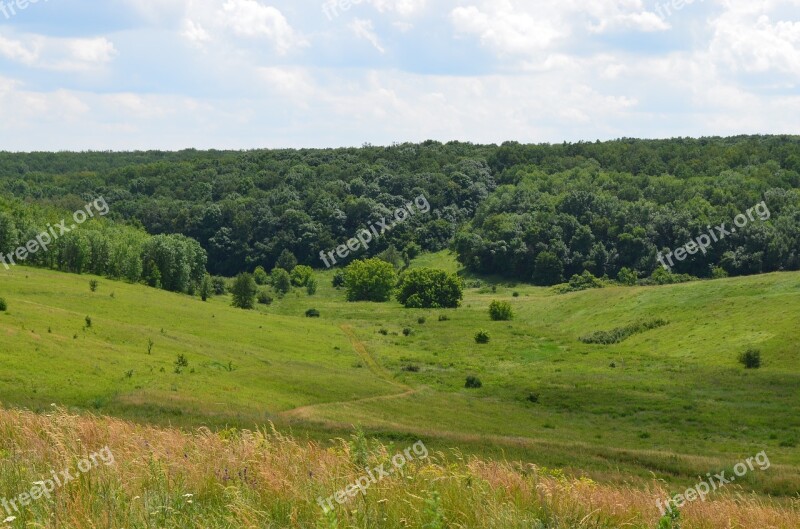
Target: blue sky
(171, 74)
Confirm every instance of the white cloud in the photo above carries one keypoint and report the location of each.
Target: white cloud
(195, 33)
(249, 18)
(401, 7)
(366, 30)
(747, 40)
(61, 54)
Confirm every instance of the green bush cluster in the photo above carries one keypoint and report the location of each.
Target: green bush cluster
(620, 334)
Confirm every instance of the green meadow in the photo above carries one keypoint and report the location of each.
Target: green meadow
(671, 403)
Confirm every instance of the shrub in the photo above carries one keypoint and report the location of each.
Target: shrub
(264, 298)
(383, 332)
(338, 279)
(577, 283)
(93, 285)
(501, 311)
(426, 288)
(311, 286)
(628, 277)
(411, 369)
(281, 281)
(533, 397)
(300, 275)
(620, 334)
(370, 280)
(286, 261)
(3, 305)
(261, 276)
(244, 291)
(750, 359)
(421, 320)
(218, 284)
(473, 382)
(406, 332)
(312, 313)
(206, 287)
(515, 294)
(181, 361)
(444, 317)
(88, 322)
(718, 273)
(482, 337)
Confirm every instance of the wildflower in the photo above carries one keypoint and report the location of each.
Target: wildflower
(10, 519)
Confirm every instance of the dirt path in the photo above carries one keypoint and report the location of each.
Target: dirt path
(306, 412)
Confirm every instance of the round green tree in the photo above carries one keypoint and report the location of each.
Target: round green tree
(370, 280)
(429, 288)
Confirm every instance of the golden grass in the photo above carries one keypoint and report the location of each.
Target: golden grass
(166, 478)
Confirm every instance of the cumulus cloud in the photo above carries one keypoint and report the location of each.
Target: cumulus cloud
(366, 30)
(62, 54)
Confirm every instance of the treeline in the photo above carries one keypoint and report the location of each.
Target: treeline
(101, 247)
(530, 212)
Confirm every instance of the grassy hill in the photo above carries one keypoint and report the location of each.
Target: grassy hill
(671, 402)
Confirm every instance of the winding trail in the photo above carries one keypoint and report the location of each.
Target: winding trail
(306, 412)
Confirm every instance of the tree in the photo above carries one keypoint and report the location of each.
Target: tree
(301, 274)
(548, 270)
(206, 287)
(286, 260)
(260, 275)
(311, 286)
(628, 277)
(370, 280)
(244, 291)
(429, 288)
(281, 281)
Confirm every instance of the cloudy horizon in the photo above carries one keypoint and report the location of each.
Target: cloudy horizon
(243, 74)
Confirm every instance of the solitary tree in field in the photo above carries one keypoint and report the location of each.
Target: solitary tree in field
(370, 280)
(244, 291)
(428, 288)
(281, 281)
(205, 287)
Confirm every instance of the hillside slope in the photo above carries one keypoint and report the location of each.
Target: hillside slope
(671, 401)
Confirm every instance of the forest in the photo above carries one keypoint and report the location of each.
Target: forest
(534, 213)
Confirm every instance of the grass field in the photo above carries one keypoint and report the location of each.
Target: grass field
(675, 405)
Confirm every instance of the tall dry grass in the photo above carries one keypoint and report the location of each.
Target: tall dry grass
(165, 478)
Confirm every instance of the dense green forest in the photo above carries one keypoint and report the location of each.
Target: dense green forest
(536, 213)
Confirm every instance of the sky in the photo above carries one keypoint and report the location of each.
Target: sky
(241, 74)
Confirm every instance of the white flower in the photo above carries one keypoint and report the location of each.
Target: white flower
(188, 495)
(10, 519)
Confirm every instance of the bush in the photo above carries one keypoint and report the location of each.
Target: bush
(421, 321)
(406, 332)
(750, 359)
(370, 280)
(300, 275)
(93, 285)
(312, 313)
(261, 276)
(501, 311)
(218, 284)
(206, 287)
(577, 283)
(444, 317)
(181, 361)
(3, 305)
(429, 288)
(281, 281)
(244, 291)
(338, 279)
(383, 332)
(264, 298)
(620, 334)
(473, 382)
(533, 397)
(482, 337)
(88, 322)
(411, 369)
(628, 277)
(286, 261)
(515, 294)
(718, 273)
(311, 286)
